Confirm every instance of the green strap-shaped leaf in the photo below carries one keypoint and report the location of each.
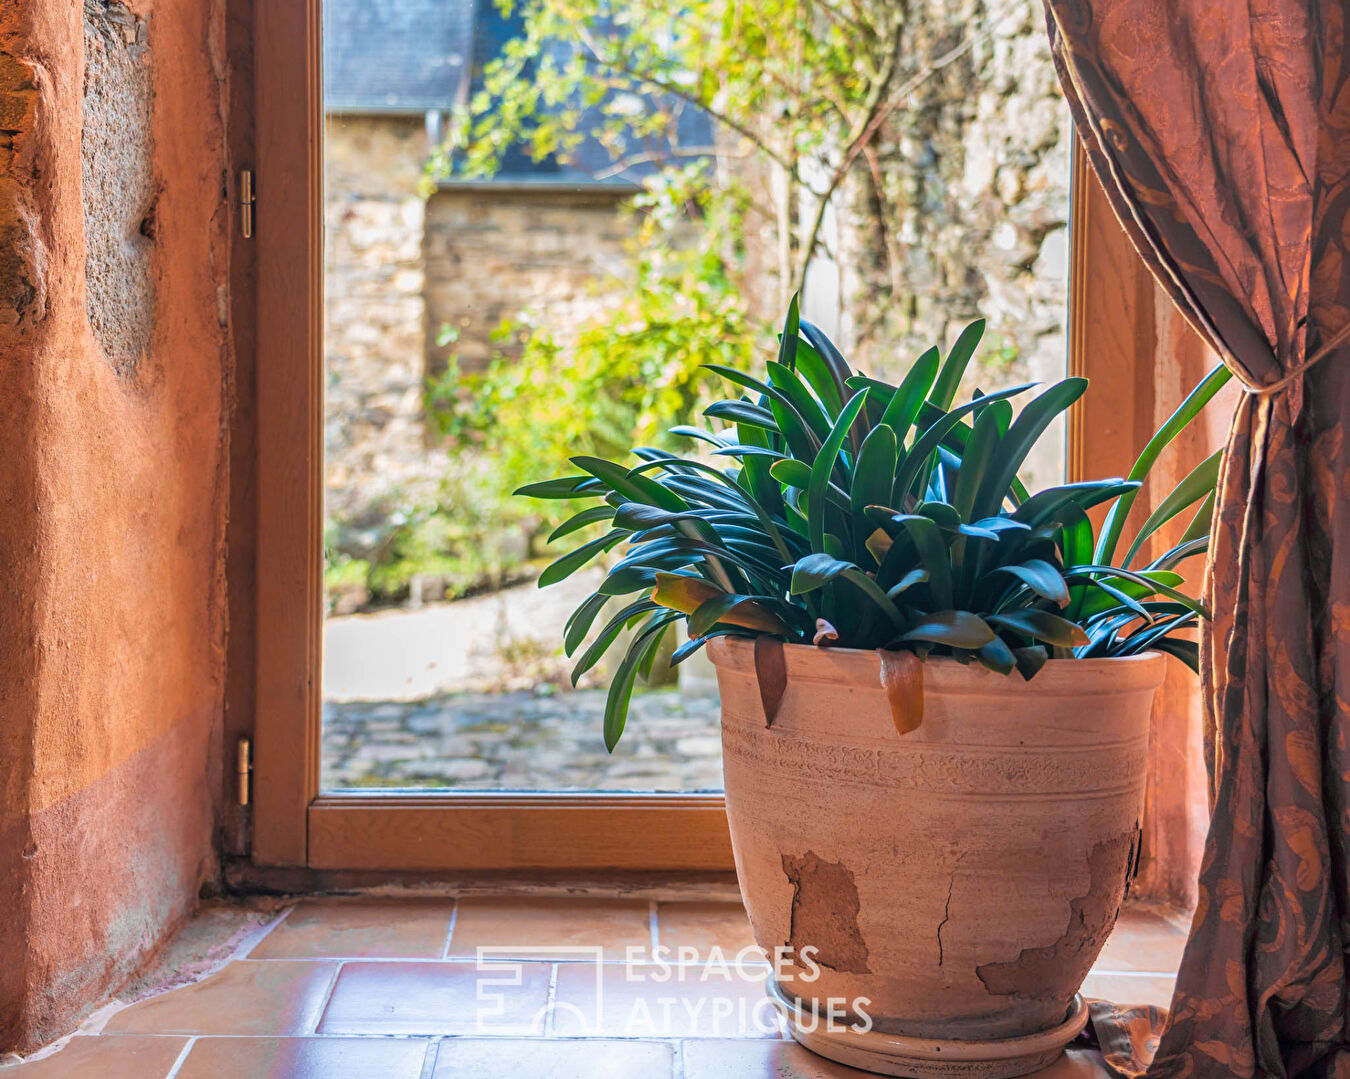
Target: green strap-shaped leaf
(927, 443)
(1025, 432)
(874, 473)
(909, 580)
(1186, 651)
(569, 563)
(816, 570)
(787, 343)
(792, 392)
(997, 656)
(748, 612)
(742, 498)
(1041, 577)
(607, 636)
(630, 484)
(801, 441)
(1202, 521)
(1105, 592)
(903, 407)
(1041, 626)
(1173, 556)
(689, 647)
(644, 645)
(1114, 525)
(955, 629)
(934, 557)
(742, 412)
(1198, 484)
(562, 487)
(976, 462)
(586, 517)
(685, 431)
(824, 466)
(755, 473)
(819, 376)
(833, 358)
(579, 622)
(1133, 575)
(1041, 506)
(949, 378)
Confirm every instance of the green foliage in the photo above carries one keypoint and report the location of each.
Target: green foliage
(464, 533)
(795, 89)
(625, 375)
(841, 507)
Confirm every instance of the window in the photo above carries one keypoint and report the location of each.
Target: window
(961, 209)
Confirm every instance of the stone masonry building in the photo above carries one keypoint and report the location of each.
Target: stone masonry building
(402, 266)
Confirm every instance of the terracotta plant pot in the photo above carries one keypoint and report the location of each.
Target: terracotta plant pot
(959, 879)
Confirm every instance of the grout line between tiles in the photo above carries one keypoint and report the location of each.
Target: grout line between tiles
(327, 998)
(552, 997)
(266, 932)
(431, 1058)
(450, 930)
(677, 1059)
(181, 1059)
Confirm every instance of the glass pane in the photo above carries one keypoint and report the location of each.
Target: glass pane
(538, 227)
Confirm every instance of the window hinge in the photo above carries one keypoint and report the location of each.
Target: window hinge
(243, 759)
(247, 200)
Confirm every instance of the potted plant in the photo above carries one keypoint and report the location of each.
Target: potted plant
(936, 688)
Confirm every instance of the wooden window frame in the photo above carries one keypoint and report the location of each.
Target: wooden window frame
(294, 823)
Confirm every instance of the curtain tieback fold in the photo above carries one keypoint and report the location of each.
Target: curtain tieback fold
(1300, 370)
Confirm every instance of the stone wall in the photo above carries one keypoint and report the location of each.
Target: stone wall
(496, 251)
(376, 453)
(398, 268)
(976, 163)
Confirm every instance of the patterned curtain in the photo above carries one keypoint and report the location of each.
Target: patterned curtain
(1221, 131)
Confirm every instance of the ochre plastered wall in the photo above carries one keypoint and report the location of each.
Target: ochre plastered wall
(113, 496)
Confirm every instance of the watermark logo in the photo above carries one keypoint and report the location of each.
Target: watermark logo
(653, 992)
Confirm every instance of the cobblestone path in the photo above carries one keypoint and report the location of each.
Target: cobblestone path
(523, 741)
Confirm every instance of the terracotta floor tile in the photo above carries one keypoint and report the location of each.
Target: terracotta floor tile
(551, 928)
(244, 998)
(305, 1058)
(746, 1059)
(371, 928)
(1075, 1064)
(438, 998)
(1129, 988)
(132, 1057)
(623, 1001)
(502, 1058)
(1143, 941)
(788, 1060)
(704, 926)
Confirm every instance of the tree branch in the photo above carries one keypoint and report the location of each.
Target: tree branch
(877, 114)
(677, 91)
(649, 157)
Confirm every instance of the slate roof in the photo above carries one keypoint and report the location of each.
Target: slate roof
(396, 55)
(412, 56)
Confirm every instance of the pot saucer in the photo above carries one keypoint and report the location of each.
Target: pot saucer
(929, 1058)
